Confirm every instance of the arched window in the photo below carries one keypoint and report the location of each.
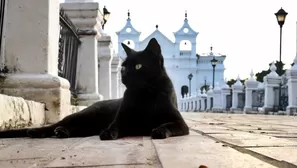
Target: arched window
(185, 45)
(130, 43)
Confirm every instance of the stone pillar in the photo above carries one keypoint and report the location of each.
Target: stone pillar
(186, 103)
(250, 85)
(121, 87)
(115, 73)
(225, 90)
(217, 101)
(236, 89)
(209, 96)
(87, 18)
(192, 102)
(105, 56)
(270, 81)
(31, 56)
(203, 98)
(181, 105)
(198, 99)
(292, 88)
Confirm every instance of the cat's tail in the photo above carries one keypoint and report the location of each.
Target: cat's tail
(14, 133)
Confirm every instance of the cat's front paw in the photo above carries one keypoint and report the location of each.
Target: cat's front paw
(108, 134)
(61, 132)
(160, 133)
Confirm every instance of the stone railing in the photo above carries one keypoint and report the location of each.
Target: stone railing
(36, 71)
(252, 97)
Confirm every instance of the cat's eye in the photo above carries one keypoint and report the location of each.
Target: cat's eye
(138, 66)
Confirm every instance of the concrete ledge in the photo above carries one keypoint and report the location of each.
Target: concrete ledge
(50, 89)
(16, 112)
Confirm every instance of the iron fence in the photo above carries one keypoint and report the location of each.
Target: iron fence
(2, 10)
(229, 100)
(241, 100)
(68, 51)
(258, 98)
(284, 94)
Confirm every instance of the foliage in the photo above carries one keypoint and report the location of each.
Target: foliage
(206, 87)
(280, 71)
(232, 81)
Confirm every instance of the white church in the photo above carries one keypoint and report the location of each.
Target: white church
(180, 56)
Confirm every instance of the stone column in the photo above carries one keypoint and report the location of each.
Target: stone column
(115, 73)
(192, 102)
(198, 98)
(225, 90)
(292, 88)
(105, 56)
(186, 103)
(236, 89)
(87, 18)
(270, 81)
(250, 85)
(217, 101)
(31, 56)
(203, 98)
(121, 87)
(181, 105)
(209, 96)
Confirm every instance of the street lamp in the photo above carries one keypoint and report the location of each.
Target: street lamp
(190, 76)
(106, 14)
(205, 77)
(281, 17)
(213, 63)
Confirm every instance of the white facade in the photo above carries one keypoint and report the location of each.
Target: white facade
(180, 56)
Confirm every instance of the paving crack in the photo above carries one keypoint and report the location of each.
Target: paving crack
(101, 165)
(269, 146)
(272, 161)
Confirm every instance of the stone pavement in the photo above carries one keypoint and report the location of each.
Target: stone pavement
(216, 140)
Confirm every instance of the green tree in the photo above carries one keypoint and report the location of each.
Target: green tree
(280, 71)
(232, 81)
(206, 87)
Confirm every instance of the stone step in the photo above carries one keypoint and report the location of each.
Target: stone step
(16, 112)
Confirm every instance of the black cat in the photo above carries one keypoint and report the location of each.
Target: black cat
(148, 107)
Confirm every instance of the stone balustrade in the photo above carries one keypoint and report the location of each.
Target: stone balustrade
(32, 67)
(253, 97)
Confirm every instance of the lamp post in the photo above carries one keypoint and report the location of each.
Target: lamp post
(106, 14)
(190, 76)
(213, 63)
(205, 77)
(281, 17)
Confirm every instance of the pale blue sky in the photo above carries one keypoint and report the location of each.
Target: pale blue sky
(246, 31)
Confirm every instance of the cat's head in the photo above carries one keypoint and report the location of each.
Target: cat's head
(141, 68)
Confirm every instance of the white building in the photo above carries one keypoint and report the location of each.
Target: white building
(180, 56)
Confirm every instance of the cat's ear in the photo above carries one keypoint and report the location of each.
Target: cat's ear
(153, 46)
(127, 49)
